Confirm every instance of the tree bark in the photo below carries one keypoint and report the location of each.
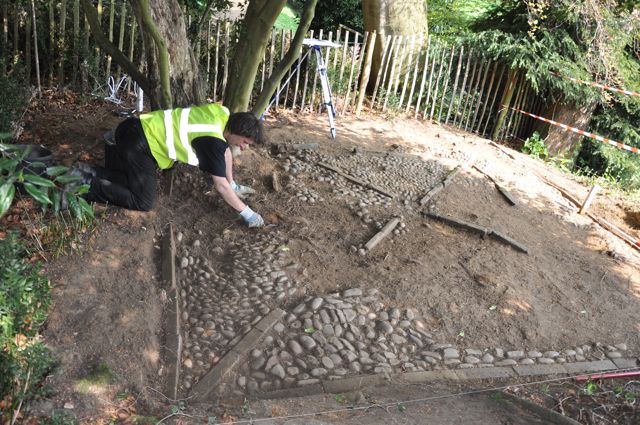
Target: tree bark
(562, 142)
(285, 64)
(256, 27)
(398, 17)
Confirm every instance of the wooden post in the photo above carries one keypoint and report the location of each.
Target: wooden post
(208, 47)
(315, 81)
(282, 47)
(306, 79)
(123, 14)
(336, 52)
(286, 89)
(455, 84)
(405, 41)
(76, 48)
(462, 89)
(358, 71)
(392, 74)
(431, 73)
(132, 40)
(298, 71)
(493, 101)
(415, 74)
(488, 96)
(424, 76)
(344, 56)
(479, 92)
(504, 103)
(435, 91)
(62, 48)
(389, 62)
(385, 53)
(511, 114)
(365, 72)
(225, 72)
(5, 37)
(112, 14)
(408, 73)
(353, 64)
(27, 50)
(472, 95)
(446, 83)
(472, 76)
(216, 63)
(35, 46)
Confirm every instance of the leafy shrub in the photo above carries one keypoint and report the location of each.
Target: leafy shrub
(57, 189)
(13, 102)
(25, 295)
(535, 146)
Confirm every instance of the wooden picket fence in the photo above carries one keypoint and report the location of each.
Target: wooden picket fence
(421, 77)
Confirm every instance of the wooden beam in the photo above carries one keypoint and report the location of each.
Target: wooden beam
(386, 230)
(355, 180)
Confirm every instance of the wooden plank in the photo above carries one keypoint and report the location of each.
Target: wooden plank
(383, 233)
(498, 186)
(366, 72)
(441, 185)
(355, 180)
(415, 74)
(424, 76)
(446, 84)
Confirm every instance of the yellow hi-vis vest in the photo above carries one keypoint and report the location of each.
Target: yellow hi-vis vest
(170, 132)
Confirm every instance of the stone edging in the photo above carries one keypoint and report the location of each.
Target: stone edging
(456, 375)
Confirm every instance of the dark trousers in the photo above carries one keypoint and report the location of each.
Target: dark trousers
(128, 178)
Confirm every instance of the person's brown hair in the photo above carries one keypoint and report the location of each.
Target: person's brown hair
(246, 124)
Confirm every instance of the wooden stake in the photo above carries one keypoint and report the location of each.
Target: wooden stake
(488, 96)
(424, 76)
(473, 95)
(353, 63)
(480, 91)
(446, 84)
(386, 230)
(587, 202)
(415, 74)
(393, 65)
(435, 90)
(441, 185)
(358, 72)
(406, 74)
(306, 80)
(216, 63)
(366, 71)
(385, 53)
(455, 84)
(462, 90)
(355, 180)
(493, 101)
(35, 44)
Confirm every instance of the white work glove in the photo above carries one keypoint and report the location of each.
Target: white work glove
(251, 218)
(241, 190)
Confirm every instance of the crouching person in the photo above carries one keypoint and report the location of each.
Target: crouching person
(200, 136)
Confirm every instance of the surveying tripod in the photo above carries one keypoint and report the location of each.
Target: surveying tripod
(315, 45)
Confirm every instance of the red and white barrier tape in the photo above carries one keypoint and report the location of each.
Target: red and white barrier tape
(582, 132)
(602, 86)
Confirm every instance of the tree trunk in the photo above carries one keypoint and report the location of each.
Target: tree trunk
(387, 17)
(173, 77)
(256, 27)
(292, 54)
(562, 142)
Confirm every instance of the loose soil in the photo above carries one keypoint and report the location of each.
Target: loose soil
(578, 285)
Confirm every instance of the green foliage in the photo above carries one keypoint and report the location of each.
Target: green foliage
(288, 19)
(535, 147)
(330, 13)
(13, 102)
(450, 18)
(55, 190)
(24, 301)
(590, 388)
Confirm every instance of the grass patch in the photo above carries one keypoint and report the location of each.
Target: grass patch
(100, 377)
